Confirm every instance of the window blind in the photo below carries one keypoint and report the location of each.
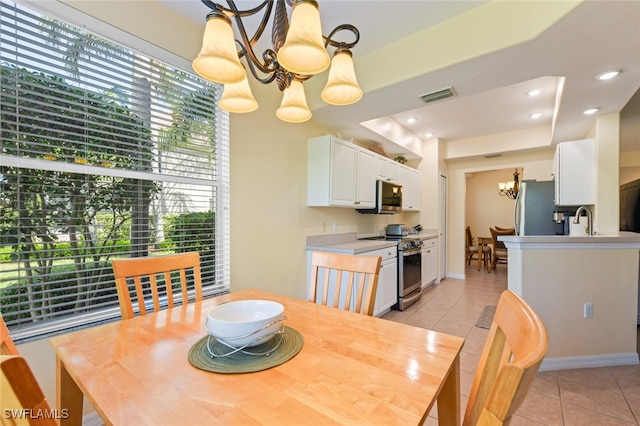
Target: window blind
(106, 153)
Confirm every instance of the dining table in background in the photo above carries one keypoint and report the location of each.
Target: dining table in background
(482, 256)
(352, 369)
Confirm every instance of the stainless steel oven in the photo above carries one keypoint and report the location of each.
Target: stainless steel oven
(409, 273)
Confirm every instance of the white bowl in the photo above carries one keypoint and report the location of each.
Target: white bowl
(245, 322)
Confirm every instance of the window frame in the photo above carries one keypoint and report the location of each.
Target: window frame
(220, 184)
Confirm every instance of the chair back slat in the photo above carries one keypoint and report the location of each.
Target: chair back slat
(515, 347)
(7, 347)
(354, 285)
(143, 272)
(21, 393)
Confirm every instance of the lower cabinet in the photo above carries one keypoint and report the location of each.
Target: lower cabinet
(387, 294)
(429, 261)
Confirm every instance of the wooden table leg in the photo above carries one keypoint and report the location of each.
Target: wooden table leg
(68, 397)
(480, 254)
(449, 397)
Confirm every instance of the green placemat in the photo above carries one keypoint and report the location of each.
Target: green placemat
(239, 362)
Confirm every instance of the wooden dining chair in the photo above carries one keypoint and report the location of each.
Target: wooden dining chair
(511, 229)
(7, 347)
(472, 250)
(352, 279)
(514, 349)
(499, 250)
(23, 401)
(155, 280)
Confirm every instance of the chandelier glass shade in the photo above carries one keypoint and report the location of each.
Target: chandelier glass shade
(303, 51)
(218, 60)
(293, 108)
(237, 97)
(297, 52)
(510, 188)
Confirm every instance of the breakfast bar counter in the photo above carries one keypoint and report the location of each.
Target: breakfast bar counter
(586, 291)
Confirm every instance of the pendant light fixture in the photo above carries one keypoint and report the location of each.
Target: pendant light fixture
(510, 188)
(298, 52)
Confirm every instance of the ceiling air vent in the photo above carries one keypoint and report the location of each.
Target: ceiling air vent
(437, 95)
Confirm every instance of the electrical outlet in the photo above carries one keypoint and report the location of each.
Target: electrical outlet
(335, 227)
(588, 310)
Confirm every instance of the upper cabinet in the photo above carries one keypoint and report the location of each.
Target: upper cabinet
(340, 174)
(574, 173)
(410, 180)
(388, 169)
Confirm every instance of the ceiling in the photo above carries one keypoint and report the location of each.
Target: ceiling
(490, 89)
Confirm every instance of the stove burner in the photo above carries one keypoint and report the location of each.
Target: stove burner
(404, 243)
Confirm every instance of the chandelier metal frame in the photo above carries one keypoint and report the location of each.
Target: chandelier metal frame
(509, 190)
(269, 65)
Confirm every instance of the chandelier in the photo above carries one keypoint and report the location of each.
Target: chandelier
(299, 51)
(510, 188)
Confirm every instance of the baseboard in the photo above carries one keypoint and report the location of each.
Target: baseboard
(456, 276)
(92, 419)
(589, 361)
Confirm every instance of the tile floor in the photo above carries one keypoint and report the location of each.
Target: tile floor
(578, 397)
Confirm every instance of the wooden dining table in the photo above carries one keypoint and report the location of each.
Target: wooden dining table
(352, 369)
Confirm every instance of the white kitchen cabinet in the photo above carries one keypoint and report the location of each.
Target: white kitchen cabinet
(387, 294)
(574, 172)
(367, 170)
(409, 178)
(340, 174)
(388, 169)
(429, 261)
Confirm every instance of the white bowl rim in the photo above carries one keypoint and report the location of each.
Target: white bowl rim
(277, 305)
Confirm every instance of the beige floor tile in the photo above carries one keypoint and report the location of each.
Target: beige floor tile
(634, 403)
(546, 383)
(602, 401)
(542, 409)
(628, 376)
(600, 378)
(575, 415)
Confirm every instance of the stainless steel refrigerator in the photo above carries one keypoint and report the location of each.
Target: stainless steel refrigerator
(534, 208)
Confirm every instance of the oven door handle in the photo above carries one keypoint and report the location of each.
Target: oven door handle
(411, 251)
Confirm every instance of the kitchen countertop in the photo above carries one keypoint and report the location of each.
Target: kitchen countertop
(612, 240)
(348, 243)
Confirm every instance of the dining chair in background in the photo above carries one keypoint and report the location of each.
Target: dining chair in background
(472, 250)
(155, 280)
(514, 349)
(356, 291)
(7, 347)
(499, 252)
(510, 229)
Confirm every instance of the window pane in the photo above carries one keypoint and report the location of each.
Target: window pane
(105, 153)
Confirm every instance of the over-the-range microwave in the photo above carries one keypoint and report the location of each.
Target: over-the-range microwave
(388, 199)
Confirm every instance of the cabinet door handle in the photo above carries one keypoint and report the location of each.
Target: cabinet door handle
(357, 202)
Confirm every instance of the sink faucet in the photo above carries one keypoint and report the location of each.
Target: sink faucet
(576, 219)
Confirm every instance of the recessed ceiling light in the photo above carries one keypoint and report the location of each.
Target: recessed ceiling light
(411, 120)
(534, 92)
(608, 75)
(429, 135)
(591, 111)
(535, 115)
